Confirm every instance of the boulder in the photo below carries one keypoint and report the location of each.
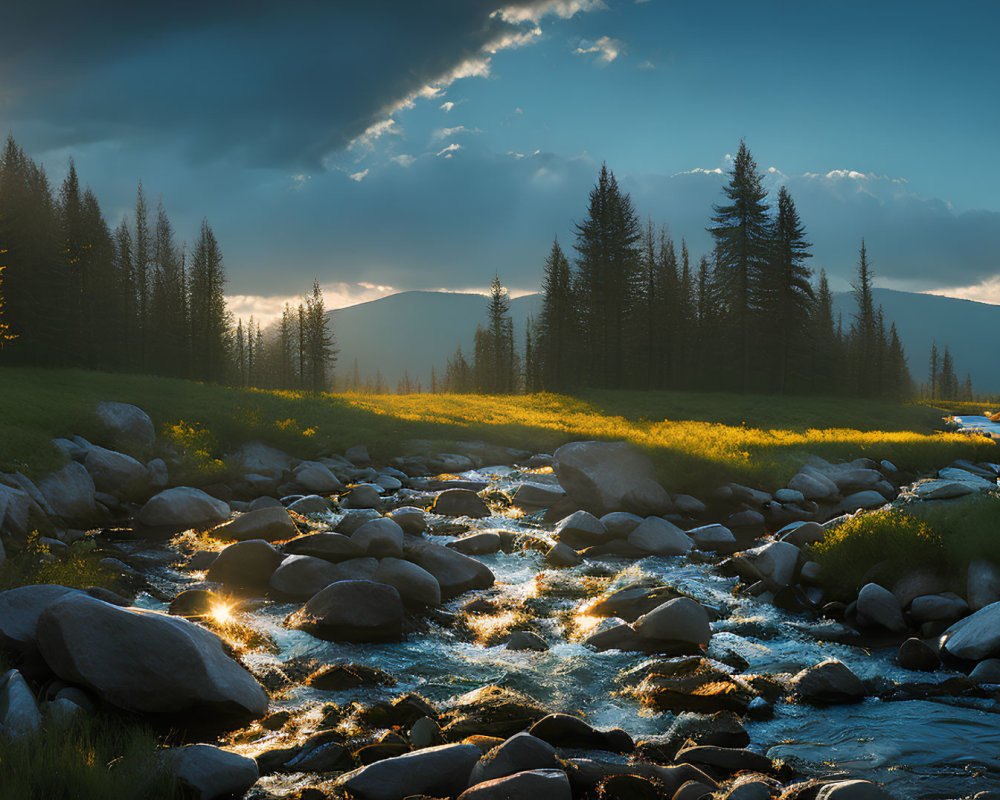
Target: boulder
(328, 546)
(116, 473)
(632, 601)
(776, 561)
(917, 655)
(814, 486)
(491, 711)
(355, 518)
(310, 504)
(802, 533)
(353, 611)
(551, 784)
(976, 637)
(944, 607)
(852, 790)
(460, 503)
(70, 493)
(533, 497)
(713, 537)
(416, 586)
(19, 714)
(691, 506)
(942, 489)
(433, 771)
(580, 529)
(411, 520)
(828, 683)
(867, 499)
(526, 640)
(364, 496)
(620, 524)
(455, 572)
(270, 524)
(658, 537)
(246, 566)
(379, 537)
(316, 477)
(680, 620)
(477, 544)
(181, 508)
(20, 609)
(986, 672)
(916, 583)
(261, 459)
(301, 577)
(146, 662)
(564, 730)
(211, 773)
(610, 476)
(879, 607)
(126, 427)
(793, 496)
(520, 752)
(562, 555)
(983, 583)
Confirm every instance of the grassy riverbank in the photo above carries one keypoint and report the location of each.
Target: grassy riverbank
(695, 439)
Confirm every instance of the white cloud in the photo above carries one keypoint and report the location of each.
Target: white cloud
(299, 181)
(373, 133)
(266, 309)
(535, 11)
(359, 176)
(446, 133)
(449, 150)
(606, 49)
(447, 106)
(700, 171)
(986, 292)
(403, 160)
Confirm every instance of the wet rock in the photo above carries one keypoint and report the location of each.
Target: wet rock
(977, 636)
(455, 572)
(435, 771)
(526, 640)
(355, 518)
(693, 685)
(363, 496)
(549, 783)
(986, 672)
(380, 538)
(425, 732)
(632, 601)
(246, 566)
(879, 607)
(477, 544)
(852, 790)
(116, 473)
(829, 682)
(533, 497)
(586, 774)
(181, 508)
(580, 529)
(563, 730)
(728, 759)
(145, 662)
(460, 503)
(721, 729)
(210, 773)
(620, 524)
(917, 655)
(411, 520)
(610, 476)
(658, 537)
(316, 477)
(310, 504)
(983, 583)
(562, 555)
(946, 606)
(324, 757)
(416, 586)
(775, 561)
(302, 577)
(491, 711)
(352, 611)
(270, 524)
(19, 714)
(693, 790)
(518, 753)
(332, 547)
(717, 538)
(126, 426)
(193, 603)
(681, 620)
(620, 637)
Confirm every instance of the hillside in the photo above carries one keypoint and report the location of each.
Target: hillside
(413, 331)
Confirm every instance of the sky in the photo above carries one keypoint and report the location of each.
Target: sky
(387, 146)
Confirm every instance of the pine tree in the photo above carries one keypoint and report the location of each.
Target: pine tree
(934, 375)
(865, 344)
(211, 322)
(607, 280)
(168, 312)
(240, 355)
(495, 365)
(680, 313)
(967, 393)
(556, 341)
(742, 233)
(142, 256)
(788, 299)
(825, 342)
(900, 384)
(949, 381)
(320, 352)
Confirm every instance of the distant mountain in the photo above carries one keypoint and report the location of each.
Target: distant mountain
(414, 331)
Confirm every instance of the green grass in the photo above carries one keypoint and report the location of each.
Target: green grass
(77, 567)
(942, 537)
(87, 758)
(696, 440)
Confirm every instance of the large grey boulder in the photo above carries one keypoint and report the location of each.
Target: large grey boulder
(460, 503)
(19, 713)
(328, 546)
(270, 524)
(301, 577)
(146, 662)
(977, 636)
(933, 489)
(776, 561)
(70, 493)
(713, 537)
(260, 459)
(181, 508)
(20, 609)
(456, 573)
(658, 537)
(879, 607)
(246, 566)
(579, 529)
(433, 771)
(116, 473)
(416, 586)
(352, 611)
(126, 427)
(829, 682)
(946, 606)
(211, 773)
(610, 476)
(379, 538)
(316, 477)
(813, 486)
(679, 620)
(552, 784)
(520, 752)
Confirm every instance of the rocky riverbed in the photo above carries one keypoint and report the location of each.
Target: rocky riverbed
(489, 623)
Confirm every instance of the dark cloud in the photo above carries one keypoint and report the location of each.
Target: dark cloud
(281, 84)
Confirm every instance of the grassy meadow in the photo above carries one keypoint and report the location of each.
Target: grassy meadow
(696, 440)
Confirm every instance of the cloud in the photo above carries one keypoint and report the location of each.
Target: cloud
(359, 176)
(449, 150)
(446, 133)
(266, 309)
(403, 160)
(606, 49)
(446, 107)
(988, 291)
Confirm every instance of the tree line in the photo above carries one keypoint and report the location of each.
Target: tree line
(133, 299)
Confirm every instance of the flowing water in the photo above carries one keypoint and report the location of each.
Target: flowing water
(939, 748)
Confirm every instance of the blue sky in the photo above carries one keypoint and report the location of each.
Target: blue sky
(385, 146)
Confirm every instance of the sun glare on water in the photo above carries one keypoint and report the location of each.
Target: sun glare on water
(221, 613)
